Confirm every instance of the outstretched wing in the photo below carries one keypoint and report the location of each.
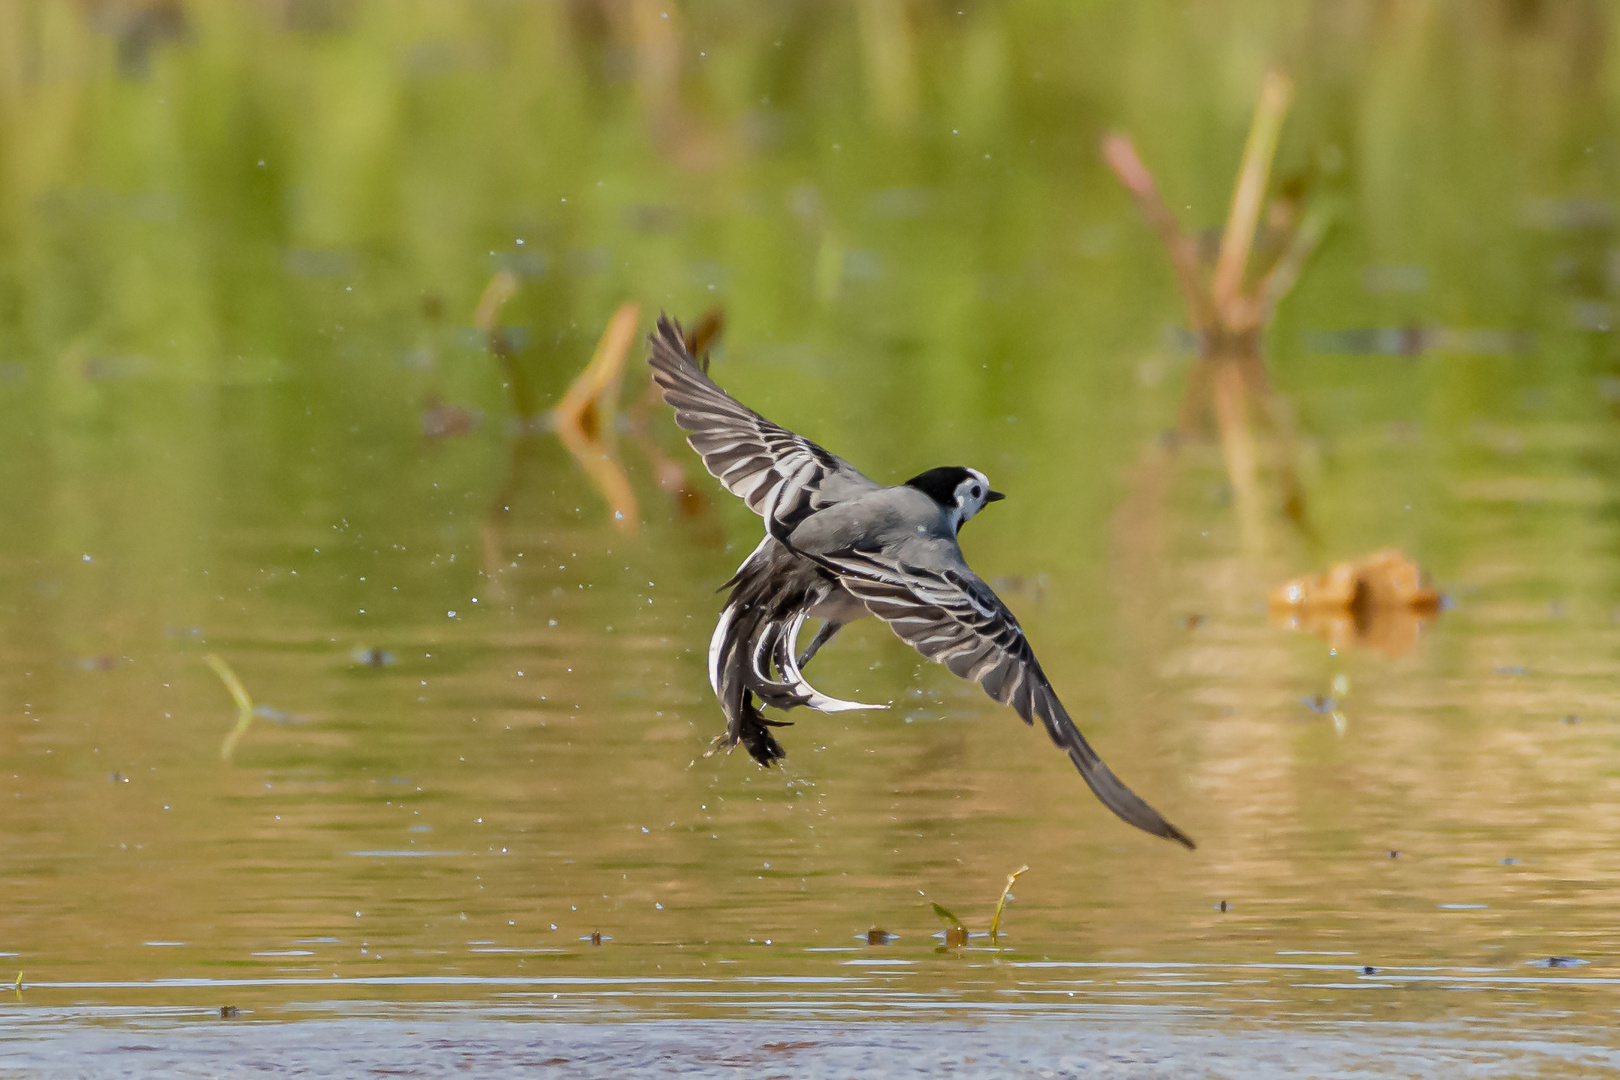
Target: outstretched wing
(944, 611)
(782, 477)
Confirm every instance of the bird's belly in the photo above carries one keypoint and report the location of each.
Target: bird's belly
(839, 607)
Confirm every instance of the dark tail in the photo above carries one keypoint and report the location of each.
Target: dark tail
(751, 659)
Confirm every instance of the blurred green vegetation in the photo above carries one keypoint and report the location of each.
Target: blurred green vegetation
(200, 197)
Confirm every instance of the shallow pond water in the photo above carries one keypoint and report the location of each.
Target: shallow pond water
(251, 409)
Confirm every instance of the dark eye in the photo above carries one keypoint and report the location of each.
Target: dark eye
(977, 491)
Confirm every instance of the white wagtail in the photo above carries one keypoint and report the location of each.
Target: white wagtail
(839, 546)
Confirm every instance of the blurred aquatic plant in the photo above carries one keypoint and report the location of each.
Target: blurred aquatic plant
(957, 934)
(670, 474)
(1229, 313)
(995, 923)
(244, 703)
(585, 418)
(587, 421)
(651, 31)
(891, 73)
(487, 318)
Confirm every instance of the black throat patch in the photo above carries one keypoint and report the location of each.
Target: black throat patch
(940, 484)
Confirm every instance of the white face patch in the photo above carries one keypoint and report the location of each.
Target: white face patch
(971, 494)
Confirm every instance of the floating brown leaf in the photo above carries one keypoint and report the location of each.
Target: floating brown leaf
(1380, 601)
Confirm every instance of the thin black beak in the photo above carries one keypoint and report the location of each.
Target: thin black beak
(994, 496)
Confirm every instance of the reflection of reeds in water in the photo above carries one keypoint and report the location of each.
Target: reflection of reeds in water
(690, 502)
(587, 421)
(584, 419)
(1230, 317)
(244, 704)
(487, 317)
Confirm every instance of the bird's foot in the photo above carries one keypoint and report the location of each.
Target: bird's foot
(723, 739)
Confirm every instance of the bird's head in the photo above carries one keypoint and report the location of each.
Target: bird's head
(960, 492)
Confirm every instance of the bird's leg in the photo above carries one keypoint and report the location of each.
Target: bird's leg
(824, 635)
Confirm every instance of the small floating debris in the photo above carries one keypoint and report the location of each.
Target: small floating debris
(1368, 969)
(227, 1012)
(444, 421)
(1510, 861)
(595, 937)
(1394, 854)
(368, 657)
(954, 933)
(876, 936)
(1319, 704)
(1395, 279)
(1558, 962)
(278, 716)
(1569, 215)
(1462, 907)
(113, 368)
(1414, 341)
(117, 778)
(1222, 906)
(1380, 601)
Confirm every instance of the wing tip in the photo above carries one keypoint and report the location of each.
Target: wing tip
(670, 330)
(667, 337)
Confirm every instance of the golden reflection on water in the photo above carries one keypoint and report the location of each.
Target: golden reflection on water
(527, 772)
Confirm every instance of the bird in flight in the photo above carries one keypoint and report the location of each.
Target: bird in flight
(839, 546)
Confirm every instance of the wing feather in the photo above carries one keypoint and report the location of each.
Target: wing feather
(948, 614)
(783, 477)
